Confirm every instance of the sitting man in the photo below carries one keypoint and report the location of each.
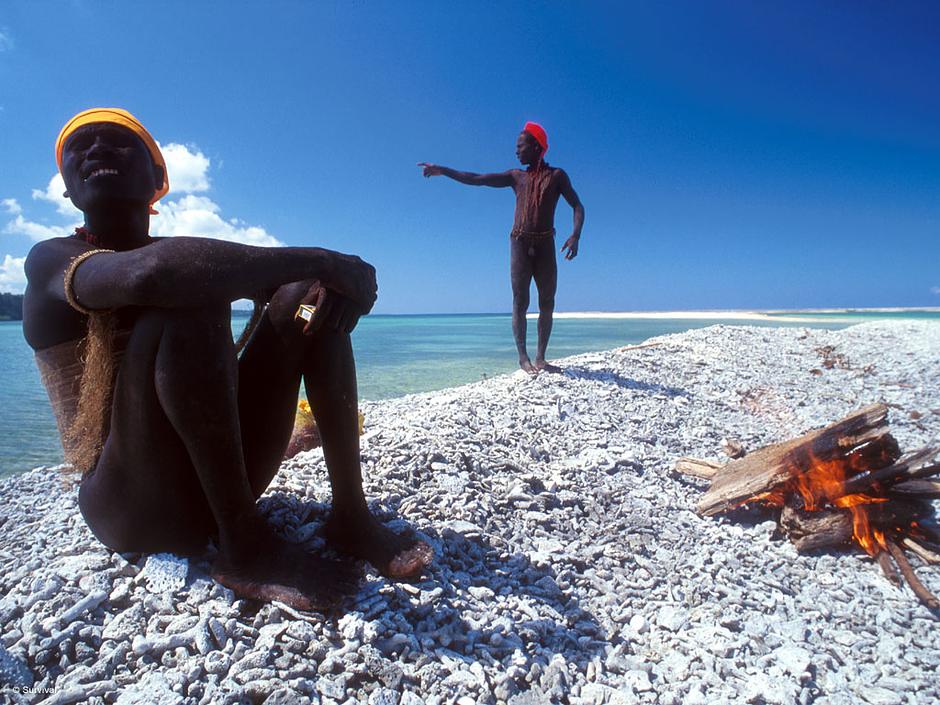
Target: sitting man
(176, 435)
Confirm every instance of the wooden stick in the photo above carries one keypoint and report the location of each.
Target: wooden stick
(925, 489)
(887, 567)
(697, 467)
(923, 594)
(922, 552)
(932, 535)
(920, 463)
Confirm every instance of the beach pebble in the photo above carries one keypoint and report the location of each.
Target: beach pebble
(14, 672)
(570, 564)
(153, 689)
(164, 573)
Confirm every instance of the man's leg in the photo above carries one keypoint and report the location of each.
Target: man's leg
(520, 276)
(172, 469)
(545, 271)
(325, 360)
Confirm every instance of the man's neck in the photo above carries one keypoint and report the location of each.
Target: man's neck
(119, 227)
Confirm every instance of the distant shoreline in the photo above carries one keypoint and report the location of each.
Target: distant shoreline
(721, 314)
(734, 315)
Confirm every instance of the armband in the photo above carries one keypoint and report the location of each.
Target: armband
(70, 275)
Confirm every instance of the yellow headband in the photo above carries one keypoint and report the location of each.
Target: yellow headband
(116, 116)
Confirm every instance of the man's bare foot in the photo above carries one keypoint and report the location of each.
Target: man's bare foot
(543, 366)
(526, 365)
(273, 569)
(394, 555)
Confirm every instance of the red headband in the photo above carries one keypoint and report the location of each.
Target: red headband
(538, 132)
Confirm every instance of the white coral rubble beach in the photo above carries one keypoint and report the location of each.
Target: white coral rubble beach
(571, 566)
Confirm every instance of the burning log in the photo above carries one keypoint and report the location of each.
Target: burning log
(861, 437)
(911, 467)
(916, 488)
(810, 531)
(843, 483)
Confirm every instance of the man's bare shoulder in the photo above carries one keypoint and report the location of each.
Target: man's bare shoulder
(53, 254)
(517, 176)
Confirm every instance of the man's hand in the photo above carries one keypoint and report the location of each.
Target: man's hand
(354, 279)
(430, 169)
(333, 311)
(571, 245)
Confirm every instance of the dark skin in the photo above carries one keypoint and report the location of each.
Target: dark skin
(197, 433)
(530, 258)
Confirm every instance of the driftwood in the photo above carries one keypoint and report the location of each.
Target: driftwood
(923, 594)
(925, 489)
(920, 463)
(810, 531)
(921, 551)
(887, 567)
(862, 438)
(696, 467)
(833, 481)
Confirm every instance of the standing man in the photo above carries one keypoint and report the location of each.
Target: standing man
(532, 240)
(175, 435)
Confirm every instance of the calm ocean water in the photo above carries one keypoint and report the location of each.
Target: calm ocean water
(395, 355)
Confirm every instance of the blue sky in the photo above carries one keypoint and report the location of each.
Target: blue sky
(729, 154)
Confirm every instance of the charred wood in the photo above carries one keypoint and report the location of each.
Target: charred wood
(863, 434)
(887, 567)
(923, 594)
(919, 464)
(810, 531)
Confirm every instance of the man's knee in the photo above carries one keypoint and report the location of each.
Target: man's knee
(202, 318)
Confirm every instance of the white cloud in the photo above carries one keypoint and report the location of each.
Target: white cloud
(54, 195)
(11, 206)
(199, 216)
(37, 231)
(12, 276)
(188, 169)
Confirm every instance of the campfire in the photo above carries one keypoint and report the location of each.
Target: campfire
(846, 484)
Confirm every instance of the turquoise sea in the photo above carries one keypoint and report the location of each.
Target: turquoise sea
(395, 355)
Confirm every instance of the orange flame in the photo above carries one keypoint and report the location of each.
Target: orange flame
(822, 486)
